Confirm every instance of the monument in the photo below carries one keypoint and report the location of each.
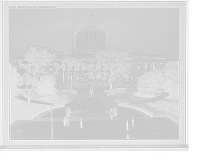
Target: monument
(91, 106)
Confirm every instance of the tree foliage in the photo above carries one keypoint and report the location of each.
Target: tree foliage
(46, 85)
(35, 63)
(16, 81)
(150, 81)
(171, 74)
(110, 65)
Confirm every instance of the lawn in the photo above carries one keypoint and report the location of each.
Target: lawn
(63, 96)
(160, 108)
(126, 95)
(19, 109)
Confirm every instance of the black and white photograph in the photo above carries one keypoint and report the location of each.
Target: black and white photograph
(94, 74)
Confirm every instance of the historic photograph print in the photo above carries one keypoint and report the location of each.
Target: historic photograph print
(94, 73)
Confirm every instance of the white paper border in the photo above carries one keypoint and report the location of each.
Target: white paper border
(96, 143)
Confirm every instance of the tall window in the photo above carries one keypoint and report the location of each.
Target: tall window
(138, 66)
(154, 66)
(146, 66)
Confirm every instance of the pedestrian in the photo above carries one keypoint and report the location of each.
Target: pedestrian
(67, 119)
(81, 123)
(127, 128)
(133, 122)
(64, 121)
(111, 115)
(127, 136)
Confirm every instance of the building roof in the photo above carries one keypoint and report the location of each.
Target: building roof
(89, 28)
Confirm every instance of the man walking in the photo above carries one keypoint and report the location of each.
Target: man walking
(67, 120)
(133, 122)
(64, 121)
(127, 136)
(127, 128)
(81, 123)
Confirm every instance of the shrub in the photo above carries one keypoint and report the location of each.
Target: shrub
(143, 94)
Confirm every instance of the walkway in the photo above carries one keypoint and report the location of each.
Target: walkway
(162, 96)
(154, 128)
(106, 101)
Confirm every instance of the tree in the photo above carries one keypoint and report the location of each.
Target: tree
(151, 82)
(16, 81)
(171, 74)
(36, 63)
(45, 86)
(114, 66)
(27, 79)
(73, 68)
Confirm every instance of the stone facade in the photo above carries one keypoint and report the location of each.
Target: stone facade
(90, 38)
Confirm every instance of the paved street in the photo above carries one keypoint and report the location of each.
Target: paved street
(157, 128)
(97, 126)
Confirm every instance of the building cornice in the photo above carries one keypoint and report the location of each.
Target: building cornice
(90, 28)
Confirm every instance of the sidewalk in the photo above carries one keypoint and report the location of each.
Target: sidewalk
(162, 96)
(102, 129)
(76, 103)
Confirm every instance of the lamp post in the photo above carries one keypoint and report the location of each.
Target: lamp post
(51, 122)
(132, 83)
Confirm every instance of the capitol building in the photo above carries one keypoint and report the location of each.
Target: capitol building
(88, 41)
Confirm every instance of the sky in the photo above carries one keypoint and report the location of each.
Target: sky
(154, 31)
